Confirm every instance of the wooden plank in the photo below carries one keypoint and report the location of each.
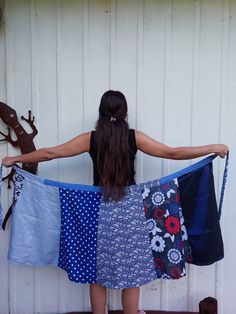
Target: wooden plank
(123, 72)
(223, 137)
(70, 106)
(123, 67)
(150, 106)
(192, 271)
(96, 58)
(150, 87)
(4, 235)
(177, 114)
(226, 280)
(206, 110)
(44, 86)
(18, 80)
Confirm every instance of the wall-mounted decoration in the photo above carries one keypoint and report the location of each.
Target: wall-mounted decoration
(23, 140)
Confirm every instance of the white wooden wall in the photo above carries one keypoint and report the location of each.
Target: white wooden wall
(175, 62)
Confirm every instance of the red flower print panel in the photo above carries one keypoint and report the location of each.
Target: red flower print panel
(172, 225)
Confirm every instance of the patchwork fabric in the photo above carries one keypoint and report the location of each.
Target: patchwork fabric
(167, 232)
(79, 225)
(117, 244)
(124, 258)
(36, 220)
(201, 214)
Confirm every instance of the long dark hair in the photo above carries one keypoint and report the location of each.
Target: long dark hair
(112, 145)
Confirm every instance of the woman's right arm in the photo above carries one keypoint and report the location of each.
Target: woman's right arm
(76, 146)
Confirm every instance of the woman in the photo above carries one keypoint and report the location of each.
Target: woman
(112, 148)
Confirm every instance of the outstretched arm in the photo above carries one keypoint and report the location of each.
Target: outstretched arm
(154, 148)
(78, 145)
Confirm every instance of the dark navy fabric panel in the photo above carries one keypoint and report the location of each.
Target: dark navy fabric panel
(78, 242)
(198, 202)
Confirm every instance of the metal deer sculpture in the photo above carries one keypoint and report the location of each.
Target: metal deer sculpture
(23, 140)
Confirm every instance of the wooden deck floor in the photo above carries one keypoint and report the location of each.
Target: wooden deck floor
(148, 312)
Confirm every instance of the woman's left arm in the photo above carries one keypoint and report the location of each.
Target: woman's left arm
(154, 148)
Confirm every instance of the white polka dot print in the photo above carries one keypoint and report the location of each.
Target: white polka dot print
(79, 225)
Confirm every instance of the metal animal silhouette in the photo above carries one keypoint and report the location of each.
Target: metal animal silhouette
(23, 140)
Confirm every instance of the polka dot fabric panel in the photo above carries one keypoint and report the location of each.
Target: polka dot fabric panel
(79, 228)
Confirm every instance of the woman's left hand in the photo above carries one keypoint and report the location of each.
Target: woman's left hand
(221, 150)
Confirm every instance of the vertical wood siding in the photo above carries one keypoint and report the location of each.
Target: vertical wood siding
(175, 62)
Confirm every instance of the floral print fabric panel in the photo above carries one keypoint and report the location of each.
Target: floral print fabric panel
(124, 258)
(167, 232)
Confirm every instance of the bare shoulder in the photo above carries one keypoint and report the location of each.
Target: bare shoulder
(86, 135)
(82, 137)
(141, 137)
(151, 146)
(77, 145)
(138, 134)
(84, 140)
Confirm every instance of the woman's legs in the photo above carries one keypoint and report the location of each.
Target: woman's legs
(98, 298)
(130, 300)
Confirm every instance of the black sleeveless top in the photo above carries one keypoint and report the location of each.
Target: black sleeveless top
(93, 155)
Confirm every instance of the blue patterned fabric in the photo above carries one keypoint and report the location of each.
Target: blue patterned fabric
(167, 232)
(124, 257)
(35, 224)
(78, 242)
(116, 244)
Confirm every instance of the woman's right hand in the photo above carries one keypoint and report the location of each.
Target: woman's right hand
(8, 161)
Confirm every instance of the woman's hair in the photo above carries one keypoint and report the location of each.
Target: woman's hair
(112, 130)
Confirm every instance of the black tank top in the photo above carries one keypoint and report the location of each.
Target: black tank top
(93, 155)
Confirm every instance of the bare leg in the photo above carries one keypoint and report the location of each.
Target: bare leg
(98, 298)
(130, 300)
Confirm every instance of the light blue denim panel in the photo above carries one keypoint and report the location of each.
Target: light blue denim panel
(36, 220)
(124, 257)
(0, 195)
